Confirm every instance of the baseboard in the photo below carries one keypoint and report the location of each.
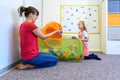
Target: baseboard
(97, 52)
(9, 67)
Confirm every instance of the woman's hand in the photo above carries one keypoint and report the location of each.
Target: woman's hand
(74, 37)
(59, 31)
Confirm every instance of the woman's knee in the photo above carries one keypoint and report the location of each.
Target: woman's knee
(55, 58)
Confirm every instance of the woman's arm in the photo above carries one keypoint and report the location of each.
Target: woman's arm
(39, 33)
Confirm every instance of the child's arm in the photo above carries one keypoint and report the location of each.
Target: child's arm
(84, 40)
(85, 36)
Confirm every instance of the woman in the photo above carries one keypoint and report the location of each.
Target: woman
(29, 32)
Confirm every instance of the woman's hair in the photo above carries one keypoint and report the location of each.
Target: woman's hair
(27, 11)
(84, 27)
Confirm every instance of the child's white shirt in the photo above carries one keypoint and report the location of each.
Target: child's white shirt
(85, 34)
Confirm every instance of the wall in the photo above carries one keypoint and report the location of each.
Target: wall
(51, 12)
(103, 26)
(9, 32)
(38, 5)
(9, 40)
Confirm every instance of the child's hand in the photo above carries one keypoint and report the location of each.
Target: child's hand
(74, 37)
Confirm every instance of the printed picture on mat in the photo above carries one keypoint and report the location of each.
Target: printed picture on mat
(72, 14)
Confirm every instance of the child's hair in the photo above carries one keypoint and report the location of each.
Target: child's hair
(27, 10)
(84, 27)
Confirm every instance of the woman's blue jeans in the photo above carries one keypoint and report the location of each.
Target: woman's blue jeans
(43, 60)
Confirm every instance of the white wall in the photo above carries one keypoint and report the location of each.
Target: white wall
(113, 47)
(103, 26)
(51, 12)
(9, 29)
(9, 41)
